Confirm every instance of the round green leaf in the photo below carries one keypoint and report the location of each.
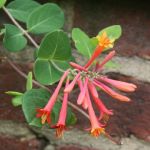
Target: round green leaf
(13, 39)
(48, 72)
(113, 32)
(33, 99)
(82, 42)
(56, 46)
(53, 56)
(46, 18)
(21, 9)
(2, 3)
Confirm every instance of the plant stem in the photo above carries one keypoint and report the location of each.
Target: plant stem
(23, 74)
(23, 30)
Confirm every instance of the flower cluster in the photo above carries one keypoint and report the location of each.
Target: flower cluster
(87, 82)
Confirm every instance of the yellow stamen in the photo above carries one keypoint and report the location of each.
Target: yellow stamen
(43, 118)
(97, 131)
(104, 41)
(59, 131)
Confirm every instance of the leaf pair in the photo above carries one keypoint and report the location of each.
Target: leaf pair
(38, 18)
(53, 56)
(86, 45)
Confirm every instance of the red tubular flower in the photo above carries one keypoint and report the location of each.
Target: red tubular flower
(84, 103)
(102, 108)
(111, 92)
(107, 58)
(69, 88)
(83, 92)
(103, 42)
(84, 100)
(74, 65)
(96, 127)
(124, 86)
(44, 113)
(60, 127)
(96, 53)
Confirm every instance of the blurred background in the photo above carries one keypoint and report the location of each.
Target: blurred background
(131, 121)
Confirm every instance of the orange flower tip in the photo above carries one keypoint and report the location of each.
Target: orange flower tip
(105, 41)
(44, 115)
(97, 131)
(133, 85)
(126, 100)
(60, 130)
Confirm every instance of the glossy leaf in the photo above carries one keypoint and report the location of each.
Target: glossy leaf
(17, 101)
(29, 81)
(113, 32)
(46, 18)
(13, 39)
(38, 98)
(82, 42)
(2, 3)
(21, 9)
(53, 56)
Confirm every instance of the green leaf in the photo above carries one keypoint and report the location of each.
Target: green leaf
(94, 42)
(17, 100)
(48, 72)
(82, 42)
(46, 18)
(13, 93)
(38, 98)
(2, 3)
(113, 32)
(71, 118)
(53, 56)
(13, 39)
(29, 81)
(55, 45)
(21, 9)
(33, 99)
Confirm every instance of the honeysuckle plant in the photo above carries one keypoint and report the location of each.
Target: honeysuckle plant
(55, 65)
